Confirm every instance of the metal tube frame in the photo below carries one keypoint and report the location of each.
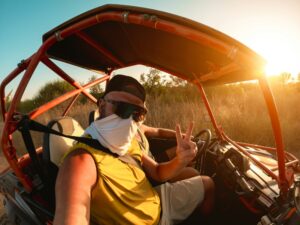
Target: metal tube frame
(67, 78)
(157, 23)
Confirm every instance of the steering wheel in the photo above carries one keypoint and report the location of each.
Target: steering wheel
(202, 145)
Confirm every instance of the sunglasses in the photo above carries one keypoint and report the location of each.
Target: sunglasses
(125, 110)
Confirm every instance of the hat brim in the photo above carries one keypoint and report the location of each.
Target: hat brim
(122, 96)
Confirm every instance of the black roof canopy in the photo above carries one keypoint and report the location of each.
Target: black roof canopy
(172, 44)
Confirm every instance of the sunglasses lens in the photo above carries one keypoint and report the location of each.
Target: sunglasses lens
(125, 110)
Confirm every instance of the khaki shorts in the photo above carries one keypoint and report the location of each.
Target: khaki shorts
(180, 199)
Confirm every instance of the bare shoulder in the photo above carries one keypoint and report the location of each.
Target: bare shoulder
(76, 178)
(78, 166)
(79, 158)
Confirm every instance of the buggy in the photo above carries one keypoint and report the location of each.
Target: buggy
(261, 183)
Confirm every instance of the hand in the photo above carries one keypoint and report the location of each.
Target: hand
(186, 149)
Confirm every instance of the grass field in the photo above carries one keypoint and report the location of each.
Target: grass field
(239, 109)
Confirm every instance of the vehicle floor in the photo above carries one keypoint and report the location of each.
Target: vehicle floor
(232, 213)
(3, 217)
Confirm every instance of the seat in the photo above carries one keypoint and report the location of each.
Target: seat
(54, 148)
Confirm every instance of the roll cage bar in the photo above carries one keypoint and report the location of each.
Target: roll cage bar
(29, 65)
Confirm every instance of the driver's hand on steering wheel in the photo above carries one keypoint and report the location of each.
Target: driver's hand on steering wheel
(186, 149)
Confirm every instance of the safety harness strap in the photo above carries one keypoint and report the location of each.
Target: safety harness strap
(27, 124)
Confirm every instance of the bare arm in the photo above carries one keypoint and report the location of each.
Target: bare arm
(155, 132)
(74, 184)
(158, 132)
(185, 152)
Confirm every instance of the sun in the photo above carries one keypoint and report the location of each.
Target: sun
(281, 52)
(282, 61)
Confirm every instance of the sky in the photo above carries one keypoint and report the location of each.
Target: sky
(269, 27)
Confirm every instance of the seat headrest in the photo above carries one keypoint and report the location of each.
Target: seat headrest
(56, 145)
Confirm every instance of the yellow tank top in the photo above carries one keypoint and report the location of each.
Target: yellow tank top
(123, 194)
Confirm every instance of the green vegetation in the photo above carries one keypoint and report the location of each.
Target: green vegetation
(52, 90)
(48, 92)
(96, 90)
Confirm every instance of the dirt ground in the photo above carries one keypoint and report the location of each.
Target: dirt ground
(3, 217)
(3, 165)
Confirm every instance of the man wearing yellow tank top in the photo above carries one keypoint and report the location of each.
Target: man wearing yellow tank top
(101, 188)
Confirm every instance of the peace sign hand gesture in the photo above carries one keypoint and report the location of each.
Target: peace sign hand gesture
(186, 149)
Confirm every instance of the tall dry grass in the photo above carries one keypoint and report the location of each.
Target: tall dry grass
(239, 109)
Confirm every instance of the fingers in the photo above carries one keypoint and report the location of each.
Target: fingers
(189, 132)
(187, 136)
(178, 134)
(186, 152)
